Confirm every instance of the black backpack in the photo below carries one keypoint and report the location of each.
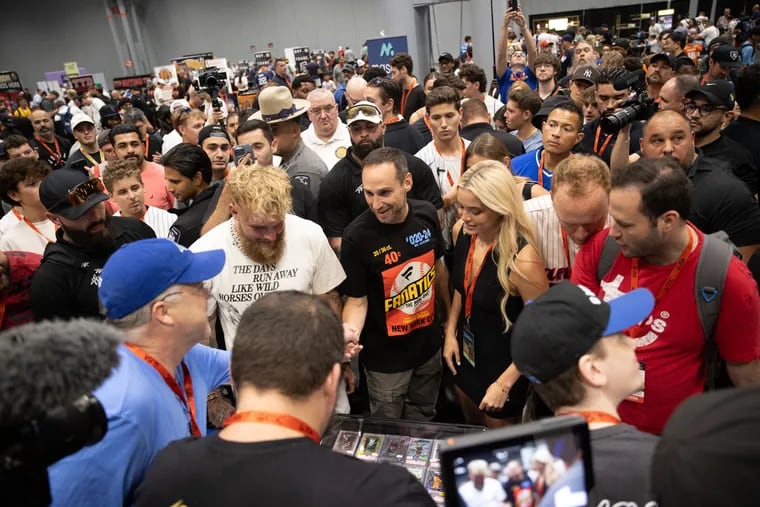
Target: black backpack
(709, 280)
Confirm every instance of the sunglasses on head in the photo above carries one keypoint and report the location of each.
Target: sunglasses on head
(80, 193)
(354, 111)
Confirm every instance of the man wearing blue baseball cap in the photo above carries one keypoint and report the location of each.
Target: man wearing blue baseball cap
(573, 347)
(152, 290)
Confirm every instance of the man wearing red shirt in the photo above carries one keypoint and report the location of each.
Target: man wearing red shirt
(659, 250)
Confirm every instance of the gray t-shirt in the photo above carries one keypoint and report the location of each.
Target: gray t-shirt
(622, 459)
(305, 166)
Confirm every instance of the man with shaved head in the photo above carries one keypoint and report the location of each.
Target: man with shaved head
(721, 201)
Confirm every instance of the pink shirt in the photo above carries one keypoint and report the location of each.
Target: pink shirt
(156, 192)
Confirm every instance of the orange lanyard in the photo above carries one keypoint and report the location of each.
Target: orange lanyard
(566, 248)
(461, 165)
(35, 229)
(600, 151)
(393, 119)
(171, 382)
(473, 279)
(147, 144)
(55, 154)
(594, 416)
(405, 95)
(282, 420)
(677, 268)
(541, 171)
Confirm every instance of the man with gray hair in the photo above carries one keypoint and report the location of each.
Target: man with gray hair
(327, 135)
(152, 291)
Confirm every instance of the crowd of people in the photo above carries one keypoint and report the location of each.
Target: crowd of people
(578, 236)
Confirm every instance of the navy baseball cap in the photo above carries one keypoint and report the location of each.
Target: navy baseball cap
(71, 193)
(565, 322)
(138, 272)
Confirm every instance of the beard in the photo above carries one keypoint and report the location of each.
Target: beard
(363, 149)
(261, 253)
(90, 241)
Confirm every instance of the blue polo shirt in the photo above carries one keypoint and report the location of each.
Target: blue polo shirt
(144, 415)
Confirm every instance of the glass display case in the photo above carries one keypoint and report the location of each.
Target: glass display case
(411, 444)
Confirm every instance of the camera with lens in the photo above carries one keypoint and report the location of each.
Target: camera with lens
(50, 415)
(211, 81)
(639, 108)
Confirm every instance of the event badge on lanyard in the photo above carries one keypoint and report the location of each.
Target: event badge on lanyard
(468, 338)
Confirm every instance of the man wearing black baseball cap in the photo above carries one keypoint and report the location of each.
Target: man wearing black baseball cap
(662, 67)
(708, 108)
(215, 141)
(709, 453)
(67, 282)
(573, 347)
(723, 60)
(446, 63)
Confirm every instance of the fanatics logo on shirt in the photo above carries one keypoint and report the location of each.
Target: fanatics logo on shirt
(410, 295)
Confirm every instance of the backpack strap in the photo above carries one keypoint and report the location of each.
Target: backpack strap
(610, 251)
(709, 280)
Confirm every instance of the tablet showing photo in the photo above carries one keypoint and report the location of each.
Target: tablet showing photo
(545, 463)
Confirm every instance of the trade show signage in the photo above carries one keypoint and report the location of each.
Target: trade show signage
(380, 51)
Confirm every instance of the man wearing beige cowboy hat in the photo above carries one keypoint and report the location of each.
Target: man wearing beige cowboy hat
(280, 111)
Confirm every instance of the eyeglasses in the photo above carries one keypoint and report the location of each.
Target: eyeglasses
(317, 111)
(80, 193)
(378, 81)
(704, 109)
(353, 112)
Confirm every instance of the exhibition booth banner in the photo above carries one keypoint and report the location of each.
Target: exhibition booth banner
(380, 51)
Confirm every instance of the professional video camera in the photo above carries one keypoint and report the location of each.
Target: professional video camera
(210, 82)
(641, 107)
(47, 371)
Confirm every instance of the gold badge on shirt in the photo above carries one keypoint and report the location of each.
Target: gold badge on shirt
(340, 152)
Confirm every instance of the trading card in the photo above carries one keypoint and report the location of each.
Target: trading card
(434, 485)
(418, 452)
(346, 442)
(369, 446)
(417, 472)
(394, 449)
(434, 456)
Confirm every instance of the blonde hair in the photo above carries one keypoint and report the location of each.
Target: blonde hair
(261, 191)
(182, 116)
(493, 184)
(580, 170)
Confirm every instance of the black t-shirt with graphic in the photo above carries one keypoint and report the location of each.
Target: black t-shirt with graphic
(393, 265)
(54, 153)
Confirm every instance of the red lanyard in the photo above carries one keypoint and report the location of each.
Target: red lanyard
(473, 279)
(405, 95)
(282, 420)
(55, 154)
(600, 151)
(171, 382)
(677, 268)
(461, 164)
(566, 247)
(594, 416)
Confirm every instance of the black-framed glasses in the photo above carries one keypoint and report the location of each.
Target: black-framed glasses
(80, 193)
(704, 109)
(353, 112)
